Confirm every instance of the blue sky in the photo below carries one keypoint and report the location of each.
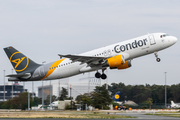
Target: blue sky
(42, 29)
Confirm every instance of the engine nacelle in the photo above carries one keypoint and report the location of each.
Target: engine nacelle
(118, 62)
(127, 64)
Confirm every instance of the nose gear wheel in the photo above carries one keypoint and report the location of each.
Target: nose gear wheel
(156, 55)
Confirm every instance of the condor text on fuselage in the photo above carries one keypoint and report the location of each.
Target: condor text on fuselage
(133, 45)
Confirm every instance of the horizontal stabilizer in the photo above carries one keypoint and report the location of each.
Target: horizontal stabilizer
(19, 75)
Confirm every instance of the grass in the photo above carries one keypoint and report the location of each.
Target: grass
(167, 114)
(61, 114)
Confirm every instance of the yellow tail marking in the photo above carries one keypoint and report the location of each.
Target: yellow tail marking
(18, 61)
(54, 65)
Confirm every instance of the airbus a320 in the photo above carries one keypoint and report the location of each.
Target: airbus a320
(116, 56)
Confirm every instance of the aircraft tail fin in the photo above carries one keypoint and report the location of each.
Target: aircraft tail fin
(172, 103)
(116, 96)
(19, 61)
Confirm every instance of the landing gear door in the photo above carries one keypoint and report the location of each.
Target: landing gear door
(152, 40)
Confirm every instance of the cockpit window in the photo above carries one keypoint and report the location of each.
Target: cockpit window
(164, 35)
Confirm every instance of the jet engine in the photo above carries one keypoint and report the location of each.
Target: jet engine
(118, 62)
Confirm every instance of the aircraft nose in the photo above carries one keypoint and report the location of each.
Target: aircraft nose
(174, 39)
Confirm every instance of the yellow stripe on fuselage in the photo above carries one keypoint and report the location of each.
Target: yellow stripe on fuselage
(52, 68)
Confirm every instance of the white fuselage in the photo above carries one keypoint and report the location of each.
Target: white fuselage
(130, 49)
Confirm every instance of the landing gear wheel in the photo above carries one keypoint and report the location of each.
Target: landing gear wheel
(103, 76)
(156, 55)
(98, 75)
(158, 59)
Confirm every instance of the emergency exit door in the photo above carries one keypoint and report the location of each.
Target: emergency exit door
(152, 40)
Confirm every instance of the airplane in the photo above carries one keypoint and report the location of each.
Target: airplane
(115, 56)
(116, 96)
(173, 105)
(54, 104)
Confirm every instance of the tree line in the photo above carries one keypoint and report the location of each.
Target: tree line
(100, 97)
(140, 93)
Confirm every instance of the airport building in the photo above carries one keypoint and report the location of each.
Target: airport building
(77, 88)
(46, 91)
(10, 91)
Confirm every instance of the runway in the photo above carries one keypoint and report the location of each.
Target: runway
(147, 117)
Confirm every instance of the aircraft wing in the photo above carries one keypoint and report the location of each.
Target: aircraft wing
(90, 60)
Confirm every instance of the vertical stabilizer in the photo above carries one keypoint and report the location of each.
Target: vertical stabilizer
(116, 96)
(172, 103)
(20, 62)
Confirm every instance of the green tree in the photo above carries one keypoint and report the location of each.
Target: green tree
(83, 99)
(47, 101)
(20, 102)
(100, 97)
(150, 102)
(175, 92)
(37, 101)
(64, 94)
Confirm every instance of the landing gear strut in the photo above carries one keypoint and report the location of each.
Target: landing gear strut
(99, 75)
(156, 55)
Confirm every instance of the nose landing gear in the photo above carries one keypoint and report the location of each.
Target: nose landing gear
(156, 55)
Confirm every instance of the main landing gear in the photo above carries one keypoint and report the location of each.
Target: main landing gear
(156, 55)
(99, 75)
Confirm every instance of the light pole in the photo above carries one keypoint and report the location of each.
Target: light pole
(24, 86)
(42, 96)
(70, 95)
(12, 85)
(33, 90)
(165, 90)
(107, 80)
(42, 90)
(28, 100)
(50, 95)
(59, 90)
(4, 86)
